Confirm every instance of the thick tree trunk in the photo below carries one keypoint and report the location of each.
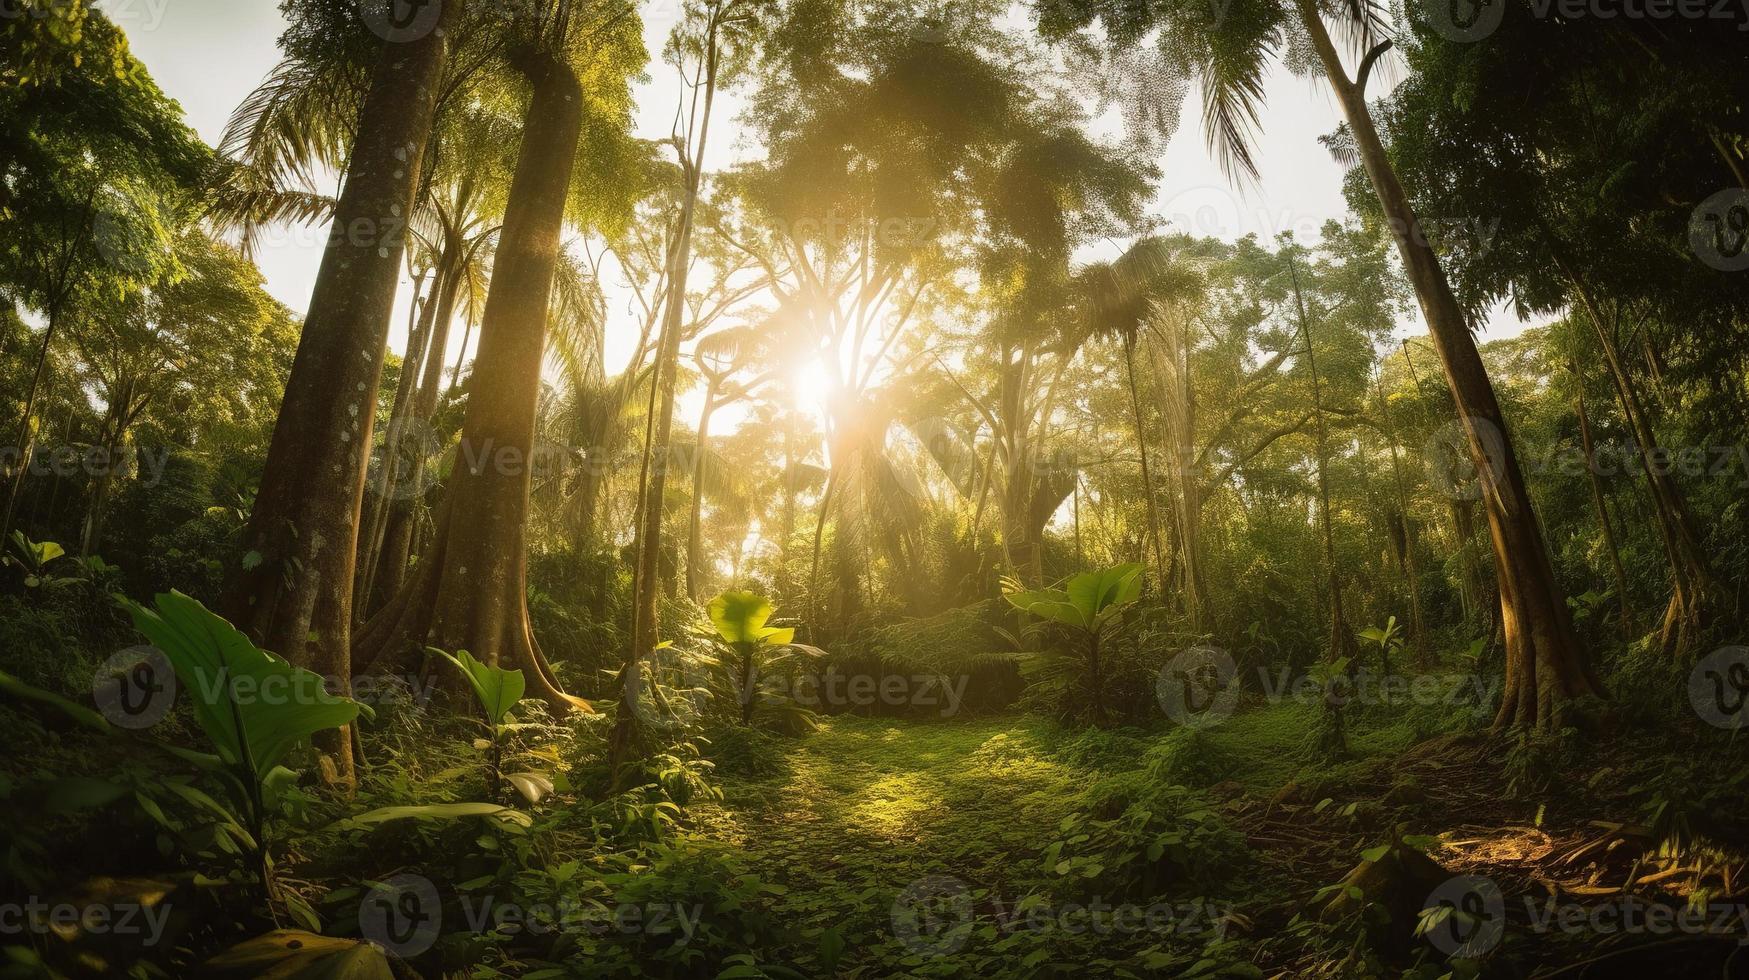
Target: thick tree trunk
(294, 593)
(1598, 501)
(1545, 665)
(470, 589)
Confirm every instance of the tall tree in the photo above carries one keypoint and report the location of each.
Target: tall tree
(469, 589)
(96, 160)
(709, 46)
(294, 589)
(1227, 49)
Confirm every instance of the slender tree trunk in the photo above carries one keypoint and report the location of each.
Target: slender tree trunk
(26, 441)
(461, 356)
(1178, 405)
(1410, 560)
(1691, 576)
(1598, 501)
(1545, 666)
(1153, 512)
(645, 627)
(416, 442)
(115, 431)
(470, 590)
(693, 579)
(1341, 637)
(390, 475)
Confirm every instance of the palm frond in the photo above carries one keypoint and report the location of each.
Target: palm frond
(243, 200)
(577, 321)
(297, 122)
(1232, 92)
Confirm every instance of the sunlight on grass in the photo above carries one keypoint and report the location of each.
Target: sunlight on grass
(894, 806)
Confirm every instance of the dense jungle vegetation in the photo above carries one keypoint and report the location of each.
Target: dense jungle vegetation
(860, 530)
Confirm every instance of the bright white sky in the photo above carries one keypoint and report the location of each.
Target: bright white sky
(207, 54)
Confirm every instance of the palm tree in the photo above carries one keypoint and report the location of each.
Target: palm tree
(1122, 297)
(1227, 47)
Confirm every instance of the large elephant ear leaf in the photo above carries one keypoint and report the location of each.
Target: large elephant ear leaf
(739, 617)
(252, 705)
(1128, 585)
(777, 635)
(1095, 592)
(498, 689)
(292, 953)
(1048, 604)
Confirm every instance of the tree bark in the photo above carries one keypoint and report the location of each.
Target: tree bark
(1597, 500)
(1341, 645)
(470, 588)
(645, 627)
(294, 593)
(1545, 666)
(693, 535)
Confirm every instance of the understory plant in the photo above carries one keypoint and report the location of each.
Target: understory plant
(751, 651)
(498, 691)
(1090, 605)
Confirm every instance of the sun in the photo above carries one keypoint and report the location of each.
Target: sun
(810, 384)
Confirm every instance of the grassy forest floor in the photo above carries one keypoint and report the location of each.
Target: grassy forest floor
(1003, 844)
(902, 847)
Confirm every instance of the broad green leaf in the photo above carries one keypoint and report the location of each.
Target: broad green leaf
(1086, 599)
(431, 811)
(740, 617)
(276, 705)
(292, 954)
(498, 689)
(531, 786)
